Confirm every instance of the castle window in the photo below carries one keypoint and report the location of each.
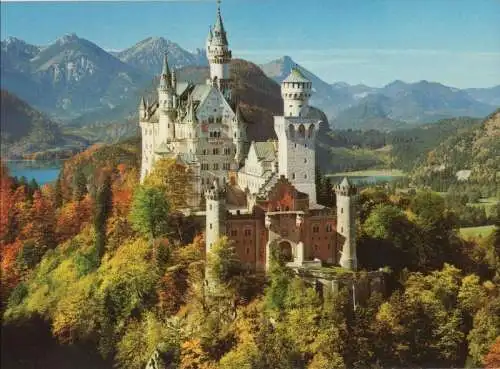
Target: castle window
(210, 225)
(210, 207)
(341, 229)
(329, 246)
(329, 228)
(216, 166)
(315, 228)
(302, 131)
(305, 161)
(341, 210)
(234, 232)
(310, 131)
(305, 176)
(248, 250)
(248, 232)
(293, 175)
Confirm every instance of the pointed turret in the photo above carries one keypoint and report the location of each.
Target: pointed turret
(142, 107)
(165, 79)
(219, 56)
(190, 113)
(219, 25)
(210, 35)
(239, 113)
(174, 79)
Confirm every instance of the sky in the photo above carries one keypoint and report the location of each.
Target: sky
(454, 42)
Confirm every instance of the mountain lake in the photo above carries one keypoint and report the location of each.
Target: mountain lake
(43, 171)
(368, 176)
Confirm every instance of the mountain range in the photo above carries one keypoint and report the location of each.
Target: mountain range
(26, 131)
(394, 106)
(75, 81)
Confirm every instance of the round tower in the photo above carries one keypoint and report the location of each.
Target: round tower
(295, 91)
(219, 56)
(346, 223)
(167, 104)
(297, 132)
(215, 215)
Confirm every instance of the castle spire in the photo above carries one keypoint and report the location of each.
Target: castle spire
(166, 69)
(210, 34)
(219, 31)
(165, 79)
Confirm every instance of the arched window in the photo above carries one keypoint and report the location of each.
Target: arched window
(302, 131)
(291, 129)
(310, 131)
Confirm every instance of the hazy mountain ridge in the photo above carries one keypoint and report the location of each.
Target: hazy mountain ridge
(76, 80)
(393, 106)
(26, 131)
(73, 76)
(147, 55)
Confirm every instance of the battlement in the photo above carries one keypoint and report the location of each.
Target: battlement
(215, 192)
(345, 188)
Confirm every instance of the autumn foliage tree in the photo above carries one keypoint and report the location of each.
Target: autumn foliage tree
(174, 179)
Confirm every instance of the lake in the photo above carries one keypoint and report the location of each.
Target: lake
(368, 176)
(43, 171)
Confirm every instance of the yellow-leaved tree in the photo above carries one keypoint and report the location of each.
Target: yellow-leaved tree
(175, 179)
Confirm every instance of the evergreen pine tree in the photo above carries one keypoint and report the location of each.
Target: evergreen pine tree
(58, 196)
(80, 185)
(102, 210)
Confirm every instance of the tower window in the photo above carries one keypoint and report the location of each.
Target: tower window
(316, 229)
(341, 229)
(341, 210)
(305, 176)
(305, 161)
(210, 225)
(210, 207)
(329, 228)
(293, 175)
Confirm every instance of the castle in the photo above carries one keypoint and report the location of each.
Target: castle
(260, 194)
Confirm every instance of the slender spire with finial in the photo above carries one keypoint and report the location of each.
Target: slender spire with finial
(219, 25)
(166, 69)
(165, 79)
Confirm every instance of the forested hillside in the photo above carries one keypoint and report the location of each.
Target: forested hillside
(477, 150)
(26, 131)
(111, 273)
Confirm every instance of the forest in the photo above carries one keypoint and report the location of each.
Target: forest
(113, 269)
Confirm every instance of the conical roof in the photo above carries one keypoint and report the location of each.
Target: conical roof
(296, 76)
(345, 183)
(219, 33)
(165, 69)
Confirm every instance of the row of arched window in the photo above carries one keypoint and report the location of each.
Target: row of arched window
(301, 131)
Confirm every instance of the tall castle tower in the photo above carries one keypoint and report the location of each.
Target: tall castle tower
(219, 56)
(215, 215)
(297, 134)
(347, 195)
(167, 101)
